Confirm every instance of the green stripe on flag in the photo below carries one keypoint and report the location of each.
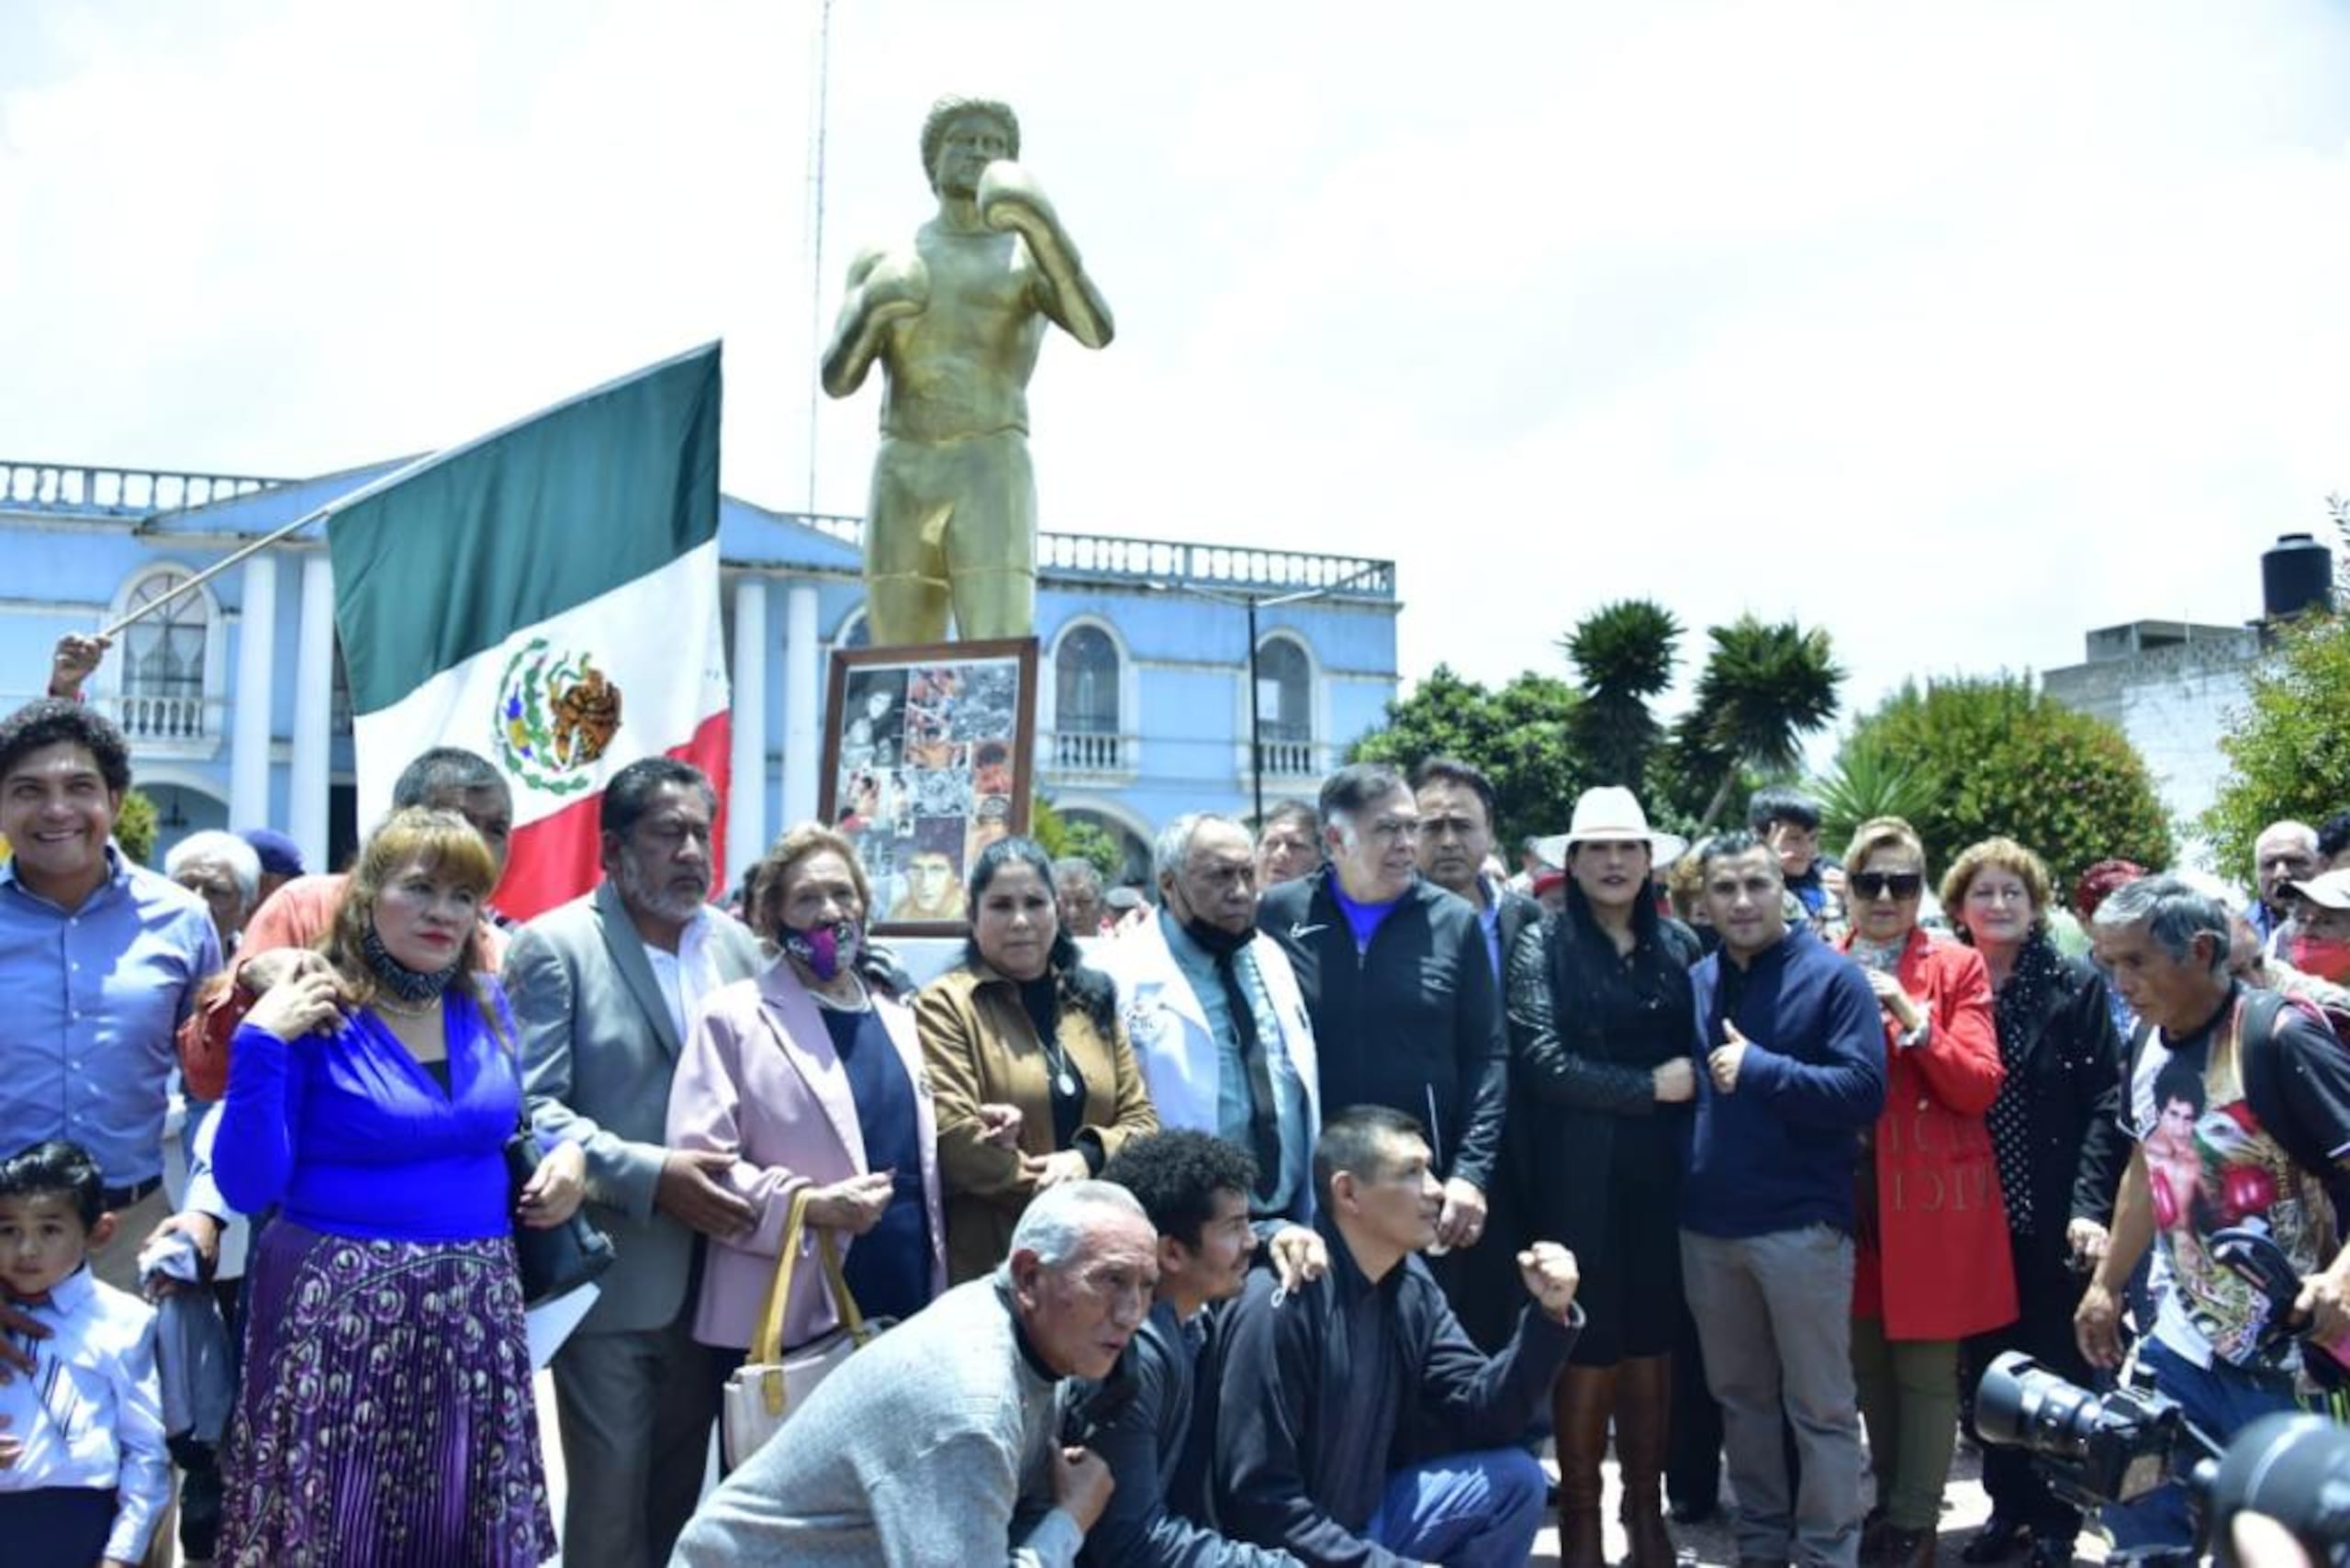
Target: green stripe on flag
(537, 518)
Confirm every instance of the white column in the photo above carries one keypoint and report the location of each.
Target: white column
(746, 800)
(306, 810)
(803, 705)
(249, 731)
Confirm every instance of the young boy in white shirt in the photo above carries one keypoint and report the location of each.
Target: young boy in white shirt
(85, 1477)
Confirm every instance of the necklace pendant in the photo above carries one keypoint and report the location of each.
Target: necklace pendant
(1065, 1085)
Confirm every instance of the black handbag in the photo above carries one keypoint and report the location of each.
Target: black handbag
(560, 1259)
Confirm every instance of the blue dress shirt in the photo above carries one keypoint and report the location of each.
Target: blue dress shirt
(1231, 1073)
(92, 997)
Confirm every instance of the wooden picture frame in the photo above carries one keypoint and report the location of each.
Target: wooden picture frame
(933, 774)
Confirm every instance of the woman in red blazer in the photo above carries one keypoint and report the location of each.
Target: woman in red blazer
(1932, 1264)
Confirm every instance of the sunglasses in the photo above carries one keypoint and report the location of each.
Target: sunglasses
(1895, 884)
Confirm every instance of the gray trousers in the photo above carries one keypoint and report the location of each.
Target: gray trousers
(1774, 1317)
(636, 1410)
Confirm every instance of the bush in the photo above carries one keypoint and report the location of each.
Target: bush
(1994, 756)
(2290, 745)
(135, 827)
(1520, 738)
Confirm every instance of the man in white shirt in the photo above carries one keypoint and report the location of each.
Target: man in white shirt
(605, 990)
(1219, 1027)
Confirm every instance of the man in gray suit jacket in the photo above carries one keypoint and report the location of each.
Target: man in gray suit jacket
(604, 989)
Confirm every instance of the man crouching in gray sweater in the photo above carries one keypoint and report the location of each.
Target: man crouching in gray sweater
(936, 1445)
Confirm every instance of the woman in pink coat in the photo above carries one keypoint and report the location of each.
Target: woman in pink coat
(811, 1076)
(1932, 1265)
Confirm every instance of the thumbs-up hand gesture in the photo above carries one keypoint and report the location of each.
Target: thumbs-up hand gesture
(1723, 1061)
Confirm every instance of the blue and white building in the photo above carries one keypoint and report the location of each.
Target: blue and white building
(234, 701)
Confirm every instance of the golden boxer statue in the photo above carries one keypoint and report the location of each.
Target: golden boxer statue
(956, 322)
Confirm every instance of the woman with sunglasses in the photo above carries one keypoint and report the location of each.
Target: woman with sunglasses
(1931, 1265)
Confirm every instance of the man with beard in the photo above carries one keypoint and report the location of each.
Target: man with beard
(604, 990)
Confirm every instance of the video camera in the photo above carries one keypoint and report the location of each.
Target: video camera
(2117, 1447)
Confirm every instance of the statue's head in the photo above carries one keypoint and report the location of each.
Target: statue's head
(944, 116)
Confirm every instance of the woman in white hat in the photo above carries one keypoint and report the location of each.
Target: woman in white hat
(1601, 1020)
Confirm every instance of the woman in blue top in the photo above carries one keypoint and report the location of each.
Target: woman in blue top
(386, 1416)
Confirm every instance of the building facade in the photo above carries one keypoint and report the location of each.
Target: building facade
(234, 700)
(2169, 686)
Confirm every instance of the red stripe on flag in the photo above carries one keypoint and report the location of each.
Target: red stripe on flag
(556, 859)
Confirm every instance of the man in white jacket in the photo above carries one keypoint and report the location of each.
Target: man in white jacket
(1218, 1025)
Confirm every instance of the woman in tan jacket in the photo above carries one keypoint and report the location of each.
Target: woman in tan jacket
(1021, 1021)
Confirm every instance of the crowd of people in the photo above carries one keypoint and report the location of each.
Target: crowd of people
(1291, 1212)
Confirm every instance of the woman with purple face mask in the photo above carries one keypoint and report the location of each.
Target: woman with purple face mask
(811, 1077)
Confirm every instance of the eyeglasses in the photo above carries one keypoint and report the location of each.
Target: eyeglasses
(1888, 884)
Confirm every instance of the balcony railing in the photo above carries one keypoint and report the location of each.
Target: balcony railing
(165, 720)
(1147, 560)
(1072, 751)
(1297, 759)
(1215, 566)
(116, 492)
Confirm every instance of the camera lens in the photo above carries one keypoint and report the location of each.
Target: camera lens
(2296, 1470)
(2022, 1404)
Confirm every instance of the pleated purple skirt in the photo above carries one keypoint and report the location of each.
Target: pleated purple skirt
(386, 1418)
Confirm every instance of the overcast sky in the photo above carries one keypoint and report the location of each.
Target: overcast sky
(1956, 330)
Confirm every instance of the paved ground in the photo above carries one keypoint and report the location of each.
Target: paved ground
(1965, 1507)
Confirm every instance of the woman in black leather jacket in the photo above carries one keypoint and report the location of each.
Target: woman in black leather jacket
(1601, 1022)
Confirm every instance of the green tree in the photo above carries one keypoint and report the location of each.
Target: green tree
(1060, 838)
(1521, 737)
(1995, 755)
(1866, 782)
(135, 827)
(1765, 687)
(1623, 653)
(2289, 746)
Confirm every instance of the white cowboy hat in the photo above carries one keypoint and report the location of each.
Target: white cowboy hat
(1608, 814)
(2328, 890)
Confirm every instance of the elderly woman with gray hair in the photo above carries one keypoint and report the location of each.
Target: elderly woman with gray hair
(223, 872)
(2060, 1153)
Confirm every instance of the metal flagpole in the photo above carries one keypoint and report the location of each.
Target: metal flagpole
(407, 470)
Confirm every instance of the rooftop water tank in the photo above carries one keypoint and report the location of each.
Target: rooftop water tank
(2296, 574)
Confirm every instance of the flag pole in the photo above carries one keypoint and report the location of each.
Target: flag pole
(405, 471)
(254, 547)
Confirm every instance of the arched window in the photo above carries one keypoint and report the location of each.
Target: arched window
(1087, 702)
(1087, 668)
(854, 632)
(1285, 706)
(162, 659)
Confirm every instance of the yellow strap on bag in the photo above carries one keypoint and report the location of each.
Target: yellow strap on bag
(767, 1348)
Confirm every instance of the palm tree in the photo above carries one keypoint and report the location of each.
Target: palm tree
(1866, 782)
(1625, 652)
(1765, 687)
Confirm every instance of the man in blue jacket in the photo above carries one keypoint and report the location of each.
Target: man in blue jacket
(1795, 1056)
(1319, 1384)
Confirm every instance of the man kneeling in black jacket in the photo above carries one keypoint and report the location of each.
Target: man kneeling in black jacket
(1318, 1385)
(1153, 1419)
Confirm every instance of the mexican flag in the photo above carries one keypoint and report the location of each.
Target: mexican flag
(547, 597)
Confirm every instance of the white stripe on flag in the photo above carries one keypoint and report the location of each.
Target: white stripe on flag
(658, 639)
